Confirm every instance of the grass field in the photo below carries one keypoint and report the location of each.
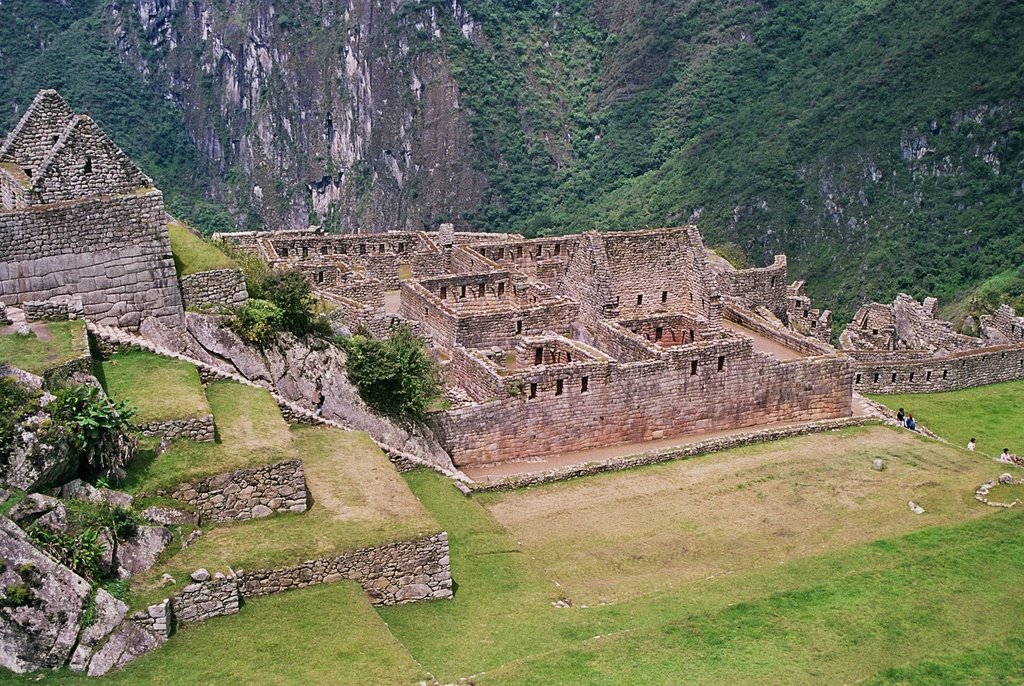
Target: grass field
(193, 254)
(36, 355)
(992, 414)
(160, 388)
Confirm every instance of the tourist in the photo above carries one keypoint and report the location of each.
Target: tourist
(1005, 457)
(911, 424)
(320, 399)
(972, 445)
(901, 416)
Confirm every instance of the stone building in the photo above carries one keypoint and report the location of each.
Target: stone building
(79, 218)
(564, 344)
(905, 348)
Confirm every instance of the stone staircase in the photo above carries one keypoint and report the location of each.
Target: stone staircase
(290, 410)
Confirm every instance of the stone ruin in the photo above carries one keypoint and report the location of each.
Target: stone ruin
(905, 348)
(79, 218)
(555, 345)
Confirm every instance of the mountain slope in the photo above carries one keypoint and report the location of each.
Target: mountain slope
(877, 142)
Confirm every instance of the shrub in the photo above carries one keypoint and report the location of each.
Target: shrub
(80, 553)
(396, 377)
(291, 293)
(100, 429)
(258, 322)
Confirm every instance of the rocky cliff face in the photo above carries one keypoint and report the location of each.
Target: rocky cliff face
(342, 113)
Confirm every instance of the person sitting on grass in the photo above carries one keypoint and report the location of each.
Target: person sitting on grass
(972, 444)
(1006, 457)
(911, 424)
(901, 416)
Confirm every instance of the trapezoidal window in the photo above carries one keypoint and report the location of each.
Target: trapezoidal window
(533, 390)
(87, 169)
(401, 247)
(444, 292)
(876, 377)
(721, 362)
(519, 327)
(501, 254)
(501, 288)
(319, 277)
(559, 386)
(305, 252)
(323, 250)
(639, 300)
(858, 379)
(894, 378)
(462, 291)
(558, 248)
(538, 356)
(693, 367)
(483, 290)
(519, 251)
(584, 384)
(284, 252)
(658, 333)
(362, 249)
(664, 296)
(928, 376)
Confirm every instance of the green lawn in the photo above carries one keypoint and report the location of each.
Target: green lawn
(161, 388)
(250, 432)
(193, 254)
(992, 414)
(322, 635)
(36, 356)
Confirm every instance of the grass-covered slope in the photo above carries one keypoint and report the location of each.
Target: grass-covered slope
(159, 388)
(193, 254)
(57, 343)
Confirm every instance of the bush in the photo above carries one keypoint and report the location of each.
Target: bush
(100, 429)
(258, 322)
(291, 293)
(396, 377)
(80, 553)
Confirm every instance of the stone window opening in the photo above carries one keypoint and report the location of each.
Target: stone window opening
(362, 249)
(558, 248)
(462, 291)
(858, 379)
(568, 357)
(323, 250)
(401, 247)
(639, 300)
(284, 252)
(53, 139)
(533, 390)
(584, 384)
(343, 249)
(482, 251)
(874, 332)
(693, 367)
(538, 356)
(519, 251)
(380, 248)
(691, 298)
(319, 277)
(501, 254)
(519, 327)
(876, 377)
(894, 377)
(559, 386)
(721, 362)
(28, 172)
(501, 288)
(773, 282)
(911, 376)
(483, 290)
(444, 292)
(664, 296)
(928, 376)
(692, 339)
(658, 333)
(806, 313)
(540, 251)
(88, 165)
(305, 252)
(814, 324)
(945, 372)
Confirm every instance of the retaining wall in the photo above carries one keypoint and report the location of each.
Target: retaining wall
(218, 288)
(922, 372)
(246, 493)
(194, 428)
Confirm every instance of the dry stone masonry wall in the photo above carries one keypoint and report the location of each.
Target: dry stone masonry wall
(199, 429)
(216, 288)
(246, 493)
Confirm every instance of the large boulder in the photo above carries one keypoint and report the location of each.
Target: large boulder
(128, 643)
(140, 551)
(42, 454)
(109, 612)
(39, 627)
(32, 507)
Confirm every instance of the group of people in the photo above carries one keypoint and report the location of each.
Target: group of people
(1006, 457)
(906, 420)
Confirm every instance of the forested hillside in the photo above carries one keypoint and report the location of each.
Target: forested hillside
(879, 143)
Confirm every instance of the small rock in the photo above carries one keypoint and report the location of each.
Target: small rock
(878, 464)
(23, 330)
(1006, 478)
(4, 495)
(463, 488)
(32, 507)
(218, 576)
(169, 516)
(261, 511)
(191, 538)
(915, 508)
(166, 580)
(200, 574)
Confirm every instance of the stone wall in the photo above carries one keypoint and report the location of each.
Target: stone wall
(401, 572)
(193, 428)
(924, 372)
(246, 493)
(666, 454)
(706, 386)
(205, 600)
(218, 287)
(758, 287)
(113, 252)
(58, 309)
